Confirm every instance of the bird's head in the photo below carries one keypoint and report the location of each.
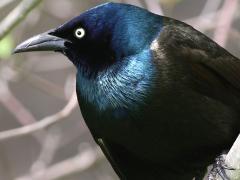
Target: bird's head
(99, 37)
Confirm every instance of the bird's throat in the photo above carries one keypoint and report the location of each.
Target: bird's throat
(118, 86)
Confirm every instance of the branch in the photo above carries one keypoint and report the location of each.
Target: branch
(154, 6)
(225, 20)
(233, 160)
(4, 3)
(230, 168)
(134, 2)
(206, 18)
(78, 164)
(210, 6)
(16, 16)
(44, 85)
(48, 150)
(203, 23)
(14, 106)
(42, 124)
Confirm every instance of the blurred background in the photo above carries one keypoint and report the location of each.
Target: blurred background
(37, 89)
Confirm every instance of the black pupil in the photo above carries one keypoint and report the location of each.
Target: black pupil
(79, 33)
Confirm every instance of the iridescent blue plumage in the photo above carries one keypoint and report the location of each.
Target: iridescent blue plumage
(118, 37)
(114, 32)
(123, 85)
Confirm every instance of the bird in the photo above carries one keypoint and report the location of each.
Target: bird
(160, 98)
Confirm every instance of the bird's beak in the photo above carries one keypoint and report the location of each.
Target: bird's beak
(41, 42)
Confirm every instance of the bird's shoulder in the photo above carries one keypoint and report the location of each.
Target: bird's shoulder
(179, 35)
(209, 68)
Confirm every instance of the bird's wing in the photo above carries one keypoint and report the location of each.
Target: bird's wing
(209, 68)
(127, 165)
(109, 153)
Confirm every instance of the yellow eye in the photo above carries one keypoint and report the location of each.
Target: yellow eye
(79, 33)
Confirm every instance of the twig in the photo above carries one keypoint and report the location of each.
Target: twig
(4, 3)
(232, 160)
(16, 16)
(134, 2)
(210, 6)
(78, 164)
(207, 15)
(42, 124)
(44, 85)
(48, 150)
(154, 6)
(203, 23)
(230, 168)
(14, 106)
(17, 109)
(225, 19)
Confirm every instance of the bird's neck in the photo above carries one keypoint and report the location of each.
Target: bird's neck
(119, 86)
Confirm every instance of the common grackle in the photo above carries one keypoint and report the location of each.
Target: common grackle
(160, 98)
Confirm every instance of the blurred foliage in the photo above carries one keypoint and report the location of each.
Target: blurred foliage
(6, 47)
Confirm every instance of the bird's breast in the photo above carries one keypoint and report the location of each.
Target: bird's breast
(166, 124)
